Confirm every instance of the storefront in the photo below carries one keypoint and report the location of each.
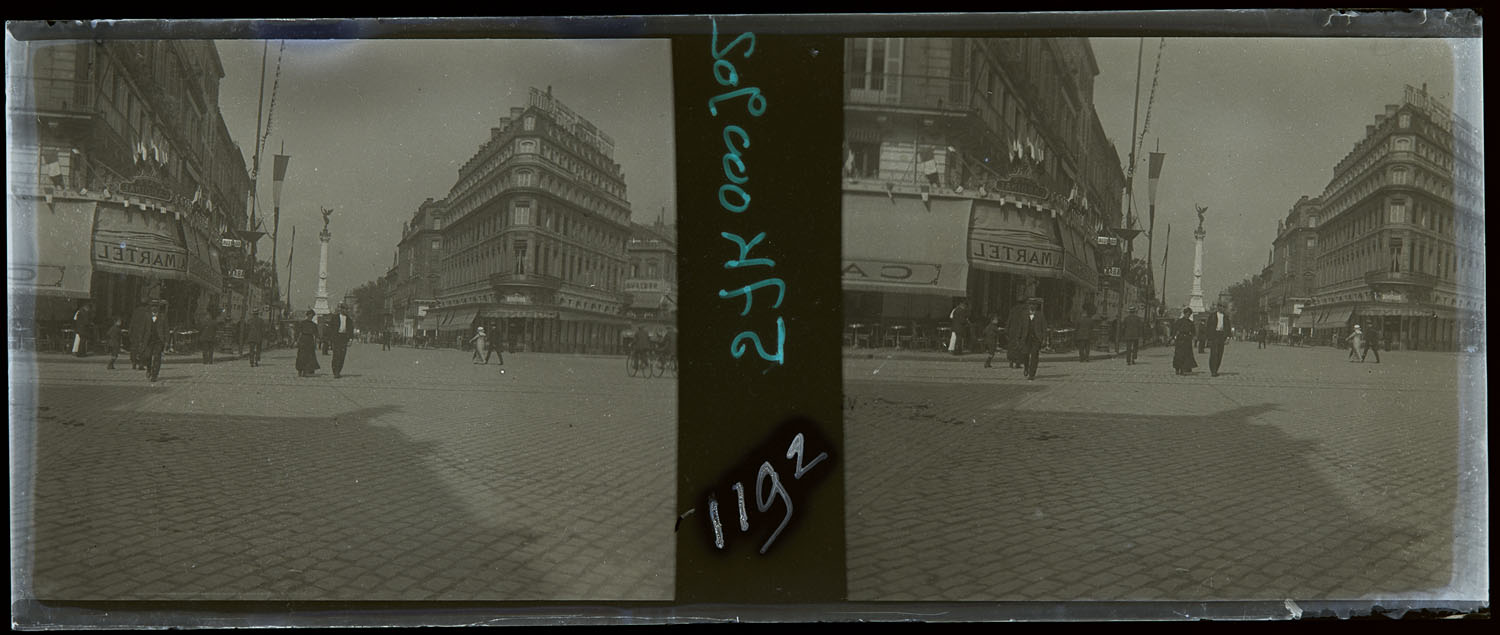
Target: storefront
(903, 261)
(1017, 252)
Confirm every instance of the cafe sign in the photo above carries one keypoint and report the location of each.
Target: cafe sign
(910, 273)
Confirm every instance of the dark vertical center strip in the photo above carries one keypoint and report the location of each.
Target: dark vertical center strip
(758, 184)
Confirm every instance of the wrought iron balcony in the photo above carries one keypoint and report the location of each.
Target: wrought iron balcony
(911, 91)
(1413, 278)
(525, 279)
(57, 95)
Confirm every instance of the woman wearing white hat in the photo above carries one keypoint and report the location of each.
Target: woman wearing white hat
(481, 342)
(1357, 344)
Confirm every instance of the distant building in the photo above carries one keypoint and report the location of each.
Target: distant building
(1289, 279)
(974, 168)
(122, 168)
(1401, 237)
(413, 291)
(651, 284)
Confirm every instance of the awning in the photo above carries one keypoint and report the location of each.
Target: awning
(1078, 258)
(139, 243)
(1008, 238)
(646, 299)
(455, 319)
(1307, 320)
(203, 262)
(1336, 318)
(897, 244)
(50, 251)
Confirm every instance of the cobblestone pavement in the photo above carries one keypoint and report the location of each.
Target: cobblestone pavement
(1295, 474)
(418, 475)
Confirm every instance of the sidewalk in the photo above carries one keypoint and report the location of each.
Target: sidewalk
(944, 356)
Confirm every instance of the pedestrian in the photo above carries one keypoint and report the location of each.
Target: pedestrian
(1084, 335)
(343, 328)
(1261, 338)
(1373, 341)
(1015, 334)
(83, 328)
(1183, 332)
(1218, 328)
(990, 335)
(1034, 327)
(481, 346)
(385, 339)
(1132, 330)
(208, 335)
(307, 344)
(960, 318)
(112, 341)
(153, 339)
(1357, 344)
(640, 346)
(253, 336)
(139, 321)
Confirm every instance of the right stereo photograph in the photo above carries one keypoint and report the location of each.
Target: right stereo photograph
(1191, 319)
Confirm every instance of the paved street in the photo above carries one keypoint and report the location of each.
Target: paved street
(418, 475)
(1295, 474)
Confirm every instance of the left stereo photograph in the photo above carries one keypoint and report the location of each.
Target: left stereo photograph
(342, 320)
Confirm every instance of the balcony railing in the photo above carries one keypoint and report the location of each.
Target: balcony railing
(1400, 277)
(912, 91)
(58, 95)
(528, 279)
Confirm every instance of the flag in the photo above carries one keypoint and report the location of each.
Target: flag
(278, 175)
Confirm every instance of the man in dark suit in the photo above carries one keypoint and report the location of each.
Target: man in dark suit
(1132, 330)
(341, 328)
(208, 334)
(960, 317)
(1035, 335)
(1217, 326)
(83, 329)
(253, 335)
(1084, 335)
(139, 320)
(153, 338)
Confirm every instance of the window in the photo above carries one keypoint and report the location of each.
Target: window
(1312, 241)
(1312, 220)
(519, 249)
(524, 178)
(529, 122)
(1400, 176)
(520, 214)
(1395, 255)
(874, 67)
(528, 146)
(1397, 211)
(1405, 120)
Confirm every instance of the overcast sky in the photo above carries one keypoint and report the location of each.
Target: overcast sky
(1249, 125)
(376, 127)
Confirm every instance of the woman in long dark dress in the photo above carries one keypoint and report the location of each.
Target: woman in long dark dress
(307, 345)
(1182, 334)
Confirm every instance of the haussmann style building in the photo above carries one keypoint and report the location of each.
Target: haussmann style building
(531, 241)
(1400, 233)
(974, 168)
(124, 184)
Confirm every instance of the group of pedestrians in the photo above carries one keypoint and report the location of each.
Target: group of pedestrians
(482, 349)
(334, 335)
(1361, 345)
(1216, 330)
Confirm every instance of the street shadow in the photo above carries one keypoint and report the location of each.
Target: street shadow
(132, 505)
(1022, 504)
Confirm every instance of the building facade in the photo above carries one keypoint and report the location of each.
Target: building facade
(533, 236)
(1401, 237)
(415, 279)
(123, 170)
(651, 282)
(1290, 277)
(974, 169)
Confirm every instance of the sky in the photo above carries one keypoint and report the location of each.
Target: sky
(1249, 125)
(375, 127)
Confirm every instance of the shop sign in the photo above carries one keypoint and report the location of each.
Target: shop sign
(1015, 255)
(35, 275)
(914, 273)
(1390, 296)
(144, 258)
(237, 273)
(515, 298)
(1113, 272)
(231, 242)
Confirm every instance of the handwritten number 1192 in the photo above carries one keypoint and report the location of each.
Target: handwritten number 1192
(765, 499)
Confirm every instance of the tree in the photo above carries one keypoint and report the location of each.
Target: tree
(369, 306)
(1245, 296)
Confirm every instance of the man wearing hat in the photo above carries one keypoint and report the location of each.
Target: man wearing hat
(1217, 326)
(253, 335)
(1034, 335)
(153, 339)
(343, 328)
(1132, 330)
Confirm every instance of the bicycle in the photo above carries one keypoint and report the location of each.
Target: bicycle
(638, 362)
(665, 363)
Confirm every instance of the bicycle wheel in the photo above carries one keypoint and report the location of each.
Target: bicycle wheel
(630, 364)
(672, 365)
(648, 369)
(659, 365)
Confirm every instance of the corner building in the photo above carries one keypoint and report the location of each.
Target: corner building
(1402, 243)
(534, 235)
(974, 168)
(1288, 281)
(122, 170)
